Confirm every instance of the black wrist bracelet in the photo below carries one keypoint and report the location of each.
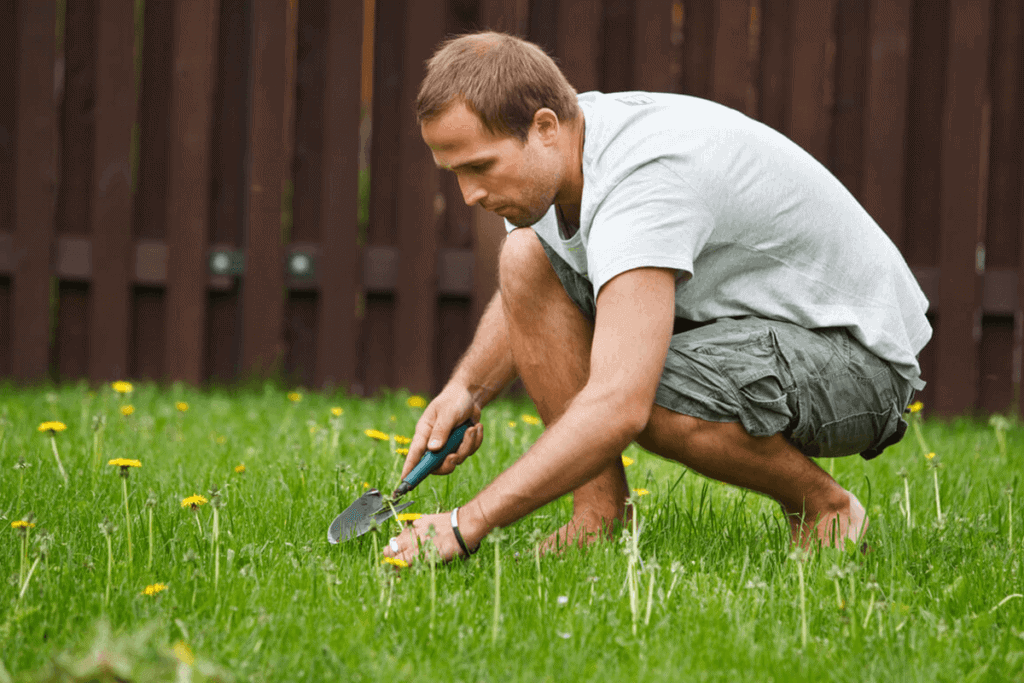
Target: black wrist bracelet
(458, 534)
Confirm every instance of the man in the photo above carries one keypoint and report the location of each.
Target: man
(675, 274)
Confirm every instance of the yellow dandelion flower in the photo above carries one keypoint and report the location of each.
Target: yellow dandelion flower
(395, 561)
(394, 418)
(408, 516)
(127, 410)
(915, 407)
(404, 440)
(124, 462)
(52, 427)
(511, 423)
(402, 451)
(929, 456)
(376, 434)
(239, 468)
(312, 429)
(416, 402)
(221, 439)
(22, 524)
(336, 411)
(154, 588)
(122, 387)
(530, 419)
(366, 484)
(184, 653)
(294, 396)
(181, 406)
(626, 461)
(641, 492)
(195, 501)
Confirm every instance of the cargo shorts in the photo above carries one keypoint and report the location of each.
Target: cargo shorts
(821, 389)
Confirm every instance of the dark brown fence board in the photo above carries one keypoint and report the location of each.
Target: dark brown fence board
(812, 80)
(774, 73)
(616, 48)
(339, 266)
(113, 116)
(846, 139)
(507, 16)
(579, 42)
(731, 74)
(311, 126)
(262, 300)
(76, 123)
(150, 198)
(8, 108)
(6, 360)
(221, 336)
(34, 181)
(148, 335)
(419, 209)
(377, 344)
(653, 48)
(963, 145)
(300, 338)
(698, 47)
(190, 110)
(885, 114)
(70, 352)
(995, 389)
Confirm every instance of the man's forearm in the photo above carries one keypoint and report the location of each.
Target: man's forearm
(487, 366)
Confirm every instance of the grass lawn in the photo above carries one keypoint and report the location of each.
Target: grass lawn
(707, 589)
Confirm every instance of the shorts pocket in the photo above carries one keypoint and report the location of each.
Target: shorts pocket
(865, 433)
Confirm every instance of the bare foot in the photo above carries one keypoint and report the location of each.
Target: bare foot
(847, 521)
(581, 531)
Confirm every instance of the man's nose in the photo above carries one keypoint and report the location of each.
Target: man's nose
(472, 193)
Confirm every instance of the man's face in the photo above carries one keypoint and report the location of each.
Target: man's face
(513, 180)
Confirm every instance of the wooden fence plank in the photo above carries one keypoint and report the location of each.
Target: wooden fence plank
(262, 300)
(113, 117)
(34, 182)
(653, 50)
(846, 139)
(419, 209)
(616, 51)
(775, 76)
(340, 268)
(70, 355)
(730, 76)
(507, 16)
(579, 42)
(698, 47)
(188, 190)
(885, 114)
(8, 107)
(77, 122)
(961, 203)
(812, 75)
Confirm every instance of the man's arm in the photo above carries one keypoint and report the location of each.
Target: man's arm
(635, 314)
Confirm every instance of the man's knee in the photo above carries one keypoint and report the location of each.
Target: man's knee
(523, 265)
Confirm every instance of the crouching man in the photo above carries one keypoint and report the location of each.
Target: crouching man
(674, 274)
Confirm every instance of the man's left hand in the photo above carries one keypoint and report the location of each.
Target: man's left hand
(414, 539)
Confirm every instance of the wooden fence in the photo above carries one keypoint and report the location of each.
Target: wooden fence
(143, 181)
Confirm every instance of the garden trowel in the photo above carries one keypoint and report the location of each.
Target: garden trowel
(372, 509)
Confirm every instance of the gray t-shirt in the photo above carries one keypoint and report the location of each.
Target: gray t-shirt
(752, 224)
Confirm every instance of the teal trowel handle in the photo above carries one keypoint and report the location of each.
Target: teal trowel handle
(431, 460)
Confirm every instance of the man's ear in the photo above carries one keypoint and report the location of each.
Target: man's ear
(546, 125)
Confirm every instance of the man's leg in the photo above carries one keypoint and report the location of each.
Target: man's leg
(551, 340)
(817, 507)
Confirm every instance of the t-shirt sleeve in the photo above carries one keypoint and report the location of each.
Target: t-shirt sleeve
(651, 219)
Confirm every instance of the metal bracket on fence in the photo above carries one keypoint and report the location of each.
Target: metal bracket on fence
(226, 262)
(301, 264)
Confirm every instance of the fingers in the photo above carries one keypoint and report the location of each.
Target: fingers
(470, 443)
(412, 541)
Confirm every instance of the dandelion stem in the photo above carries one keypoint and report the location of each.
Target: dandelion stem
(938, 503)
(149, 564)
(1009, 514)
(871, 608)
(650, 597)
(56, 456)
(631, 579)
(24, 586)
(803, 604)
(216, 550)
(497, 589)
(127, 519)
(195, 514)
(906, 494)
(110, 568)
(24, 556)
(431, 551)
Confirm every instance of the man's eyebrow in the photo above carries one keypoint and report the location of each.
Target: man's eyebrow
(472, 162)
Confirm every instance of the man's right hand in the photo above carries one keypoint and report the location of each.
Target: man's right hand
(453, 406)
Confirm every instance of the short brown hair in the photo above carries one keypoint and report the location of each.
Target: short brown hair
(503, 79)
